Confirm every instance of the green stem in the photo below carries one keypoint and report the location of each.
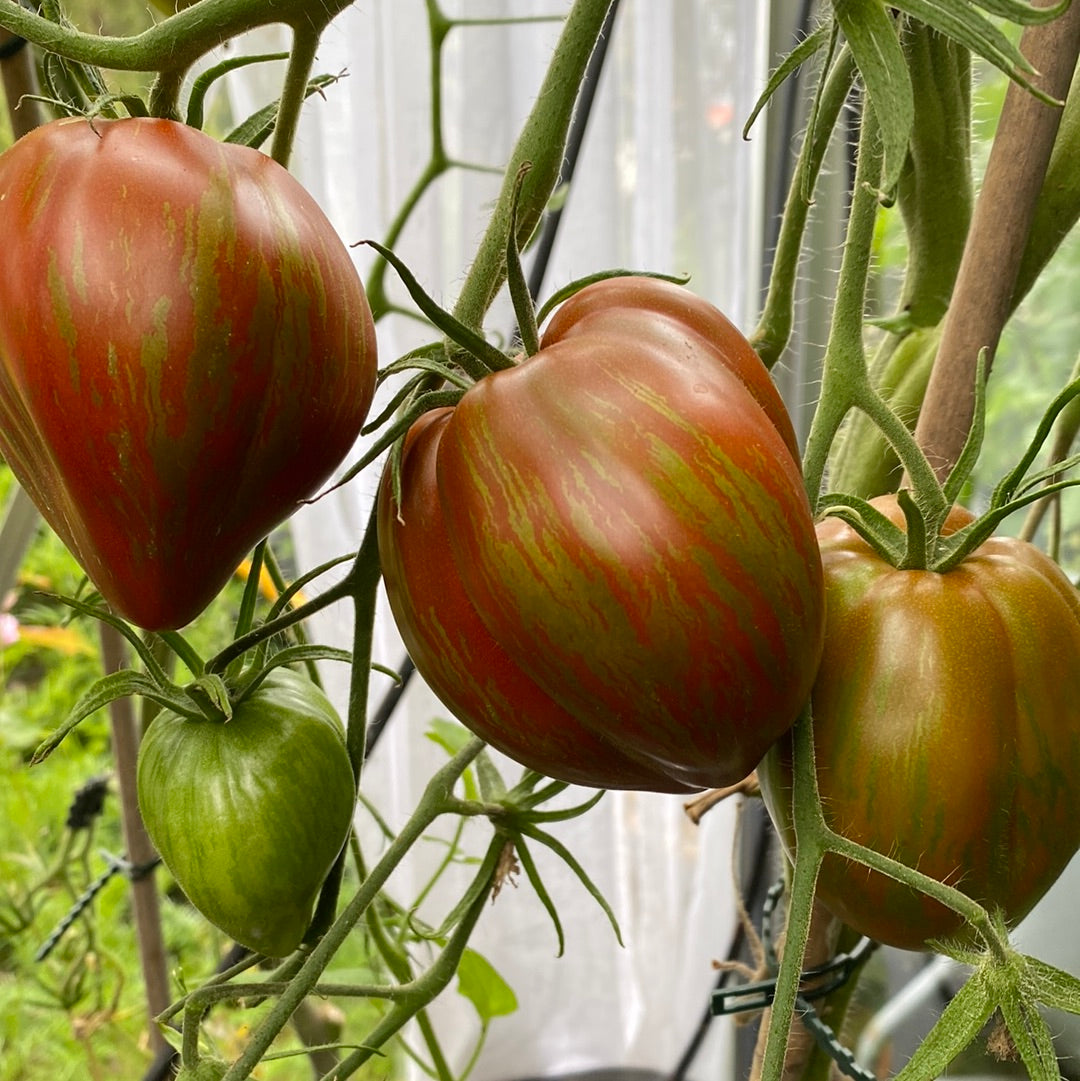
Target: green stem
(397, 960)
(541, 142)
(438, 162)
(845, 380)
(294, 89)
(365, 577)
(432, 804)
(165, 93)
(773, 331)
(810, 830)
(173, 44)
(426, 987)
(971, 911)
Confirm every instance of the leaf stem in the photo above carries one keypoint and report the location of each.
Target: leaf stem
(173, 44)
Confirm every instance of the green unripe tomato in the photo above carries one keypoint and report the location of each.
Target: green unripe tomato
(249, 814)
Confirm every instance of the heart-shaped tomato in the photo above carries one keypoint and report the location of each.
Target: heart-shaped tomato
(249, 814)
(186, 352)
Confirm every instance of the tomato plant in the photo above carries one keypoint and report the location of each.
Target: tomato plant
(946, 719)
(250, 813)
(186, 352)
(603, 559)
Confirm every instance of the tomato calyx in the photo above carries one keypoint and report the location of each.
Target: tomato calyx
(931, 537)
(446, 369)
(516, 815)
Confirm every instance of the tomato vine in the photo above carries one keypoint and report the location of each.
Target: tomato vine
(933, 357)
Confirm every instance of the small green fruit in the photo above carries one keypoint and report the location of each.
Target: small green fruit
(249, 814)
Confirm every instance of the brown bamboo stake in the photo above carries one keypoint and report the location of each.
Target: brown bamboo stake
(140, 849)
(999, 231)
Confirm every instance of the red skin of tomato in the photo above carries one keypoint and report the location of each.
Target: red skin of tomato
(946, 731)
(186, 352)
(624, 513)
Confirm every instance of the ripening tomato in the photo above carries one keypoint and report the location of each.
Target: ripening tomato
(603, 560)
(946, 719)
(186, 352)
(249, 814)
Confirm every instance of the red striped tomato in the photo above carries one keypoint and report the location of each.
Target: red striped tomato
(946, 730)
(603, 561)
(186, 352)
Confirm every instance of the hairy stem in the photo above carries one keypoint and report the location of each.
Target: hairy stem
(176, 43)
(432, 804)
(770, 337)
(541, 143)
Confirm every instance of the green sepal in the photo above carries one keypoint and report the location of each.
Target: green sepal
(1030, 1036)
(884, 536)
(536, 834)
(528, 865)
(1054, 987)
(291, 655)
(969, 455)
(125, 629)
(568, 290)
(521, 299)
(960, 1022)
(492, 786)
(1022, 12)
(211, 695)
(123, 684)
(484, 357)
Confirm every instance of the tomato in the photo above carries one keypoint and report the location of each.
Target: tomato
(249, 814)
(186, 352)
(603, 561)
(946, 719)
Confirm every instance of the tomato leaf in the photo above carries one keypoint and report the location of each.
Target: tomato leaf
(122, 684)
(794, 60)
(484, 987)
(957, 1026)
(975, 32)
(872, 35)
(449, 735)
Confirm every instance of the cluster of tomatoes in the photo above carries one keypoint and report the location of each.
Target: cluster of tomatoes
(602, 558)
